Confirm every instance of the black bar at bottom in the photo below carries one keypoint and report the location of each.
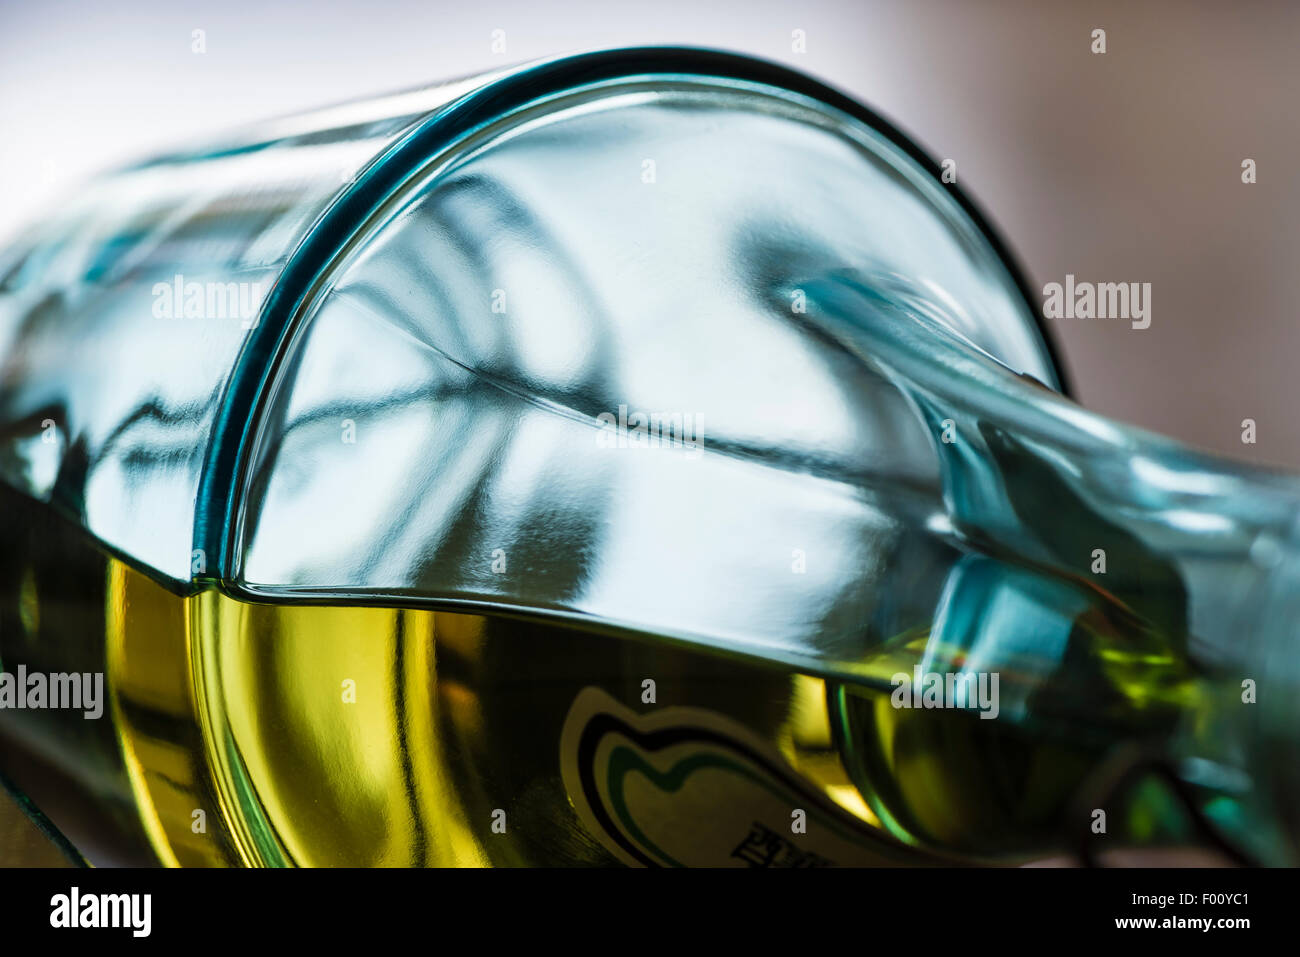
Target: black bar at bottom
(613, 909)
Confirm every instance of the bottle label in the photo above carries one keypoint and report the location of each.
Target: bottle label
(686, 787)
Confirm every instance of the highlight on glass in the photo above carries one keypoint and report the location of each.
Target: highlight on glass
(641, 457)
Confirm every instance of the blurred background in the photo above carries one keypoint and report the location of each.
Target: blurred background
(1118, 167)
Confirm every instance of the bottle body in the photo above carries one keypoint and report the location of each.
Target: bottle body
(297, 743)
(637, 458)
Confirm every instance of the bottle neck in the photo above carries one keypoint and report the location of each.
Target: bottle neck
(1205, 551)
(1027, 472)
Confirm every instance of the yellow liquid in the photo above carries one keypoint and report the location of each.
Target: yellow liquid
(272, 734)
(334, 735)
(367, 736)
(381, 736)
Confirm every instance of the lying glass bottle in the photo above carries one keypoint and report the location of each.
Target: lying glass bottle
(634, 457)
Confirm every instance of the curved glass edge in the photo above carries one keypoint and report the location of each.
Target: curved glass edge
(43, 825)
(123, 310)
(196, 425)
(223, 477)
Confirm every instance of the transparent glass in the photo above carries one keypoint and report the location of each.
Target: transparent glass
(676, 349)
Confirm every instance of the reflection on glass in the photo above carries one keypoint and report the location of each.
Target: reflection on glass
(586, 478)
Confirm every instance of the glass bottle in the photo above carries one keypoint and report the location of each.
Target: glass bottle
(641, 456)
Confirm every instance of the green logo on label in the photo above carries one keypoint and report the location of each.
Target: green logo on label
(685, 787)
